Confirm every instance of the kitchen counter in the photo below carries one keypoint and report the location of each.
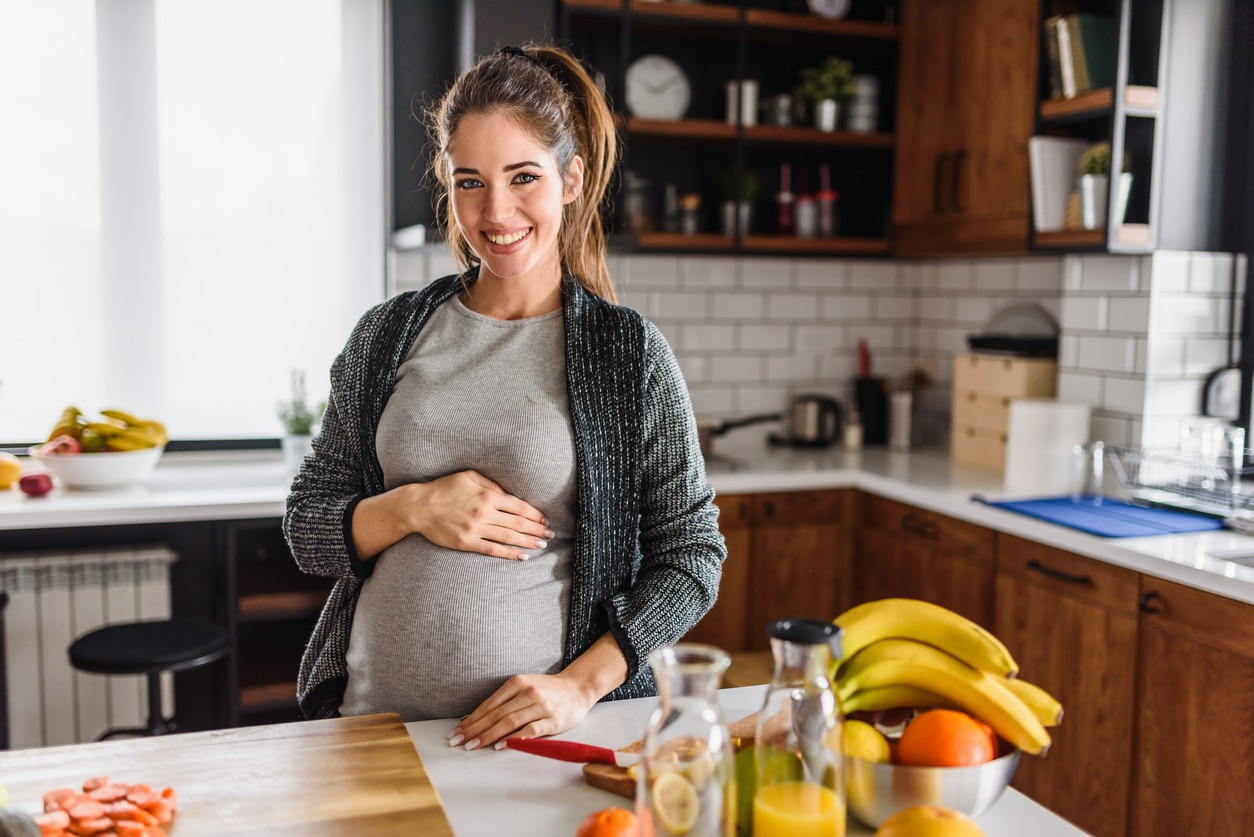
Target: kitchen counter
(215, 486)
(506, 792)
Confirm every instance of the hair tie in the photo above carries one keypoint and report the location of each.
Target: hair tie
(522, 53)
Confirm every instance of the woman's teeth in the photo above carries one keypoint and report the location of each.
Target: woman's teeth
(502, 240)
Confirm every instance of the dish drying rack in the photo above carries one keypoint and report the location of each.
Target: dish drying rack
(1191, 482)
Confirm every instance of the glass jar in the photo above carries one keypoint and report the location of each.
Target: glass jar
(687, 777)
(800, 789)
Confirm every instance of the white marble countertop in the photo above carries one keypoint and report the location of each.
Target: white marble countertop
(507, 792)
(217, 486)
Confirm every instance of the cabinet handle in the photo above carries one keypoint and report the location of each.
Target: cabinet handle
(959, 156)
(770, 509)
(1050, 572)
(1148, 602)
(920, 526)
(937, 175)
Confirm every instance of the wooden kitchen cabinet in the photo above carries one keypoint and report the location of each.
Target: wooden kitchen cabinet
(903, 551)
(787, 555)
(966, 105)
(1071, 622)
(1194, 757)
(271, 610)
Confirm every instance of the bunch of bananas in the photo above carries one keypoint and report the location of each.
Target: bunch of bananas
(910, 653)
(111, 430)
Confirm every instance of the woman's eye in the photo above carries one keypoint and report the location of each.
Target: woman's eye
(468, 183)
(526, 177)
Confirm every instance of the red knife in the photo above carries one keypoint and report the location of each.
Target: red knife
(571, 751)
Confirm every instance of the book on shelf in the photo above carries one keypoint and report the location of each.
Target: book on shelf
(1055, 165)
(1052, 58)
(1094, 46)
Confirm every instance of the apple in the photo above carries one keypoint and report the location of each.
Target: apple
(35, 484)
(61, 444)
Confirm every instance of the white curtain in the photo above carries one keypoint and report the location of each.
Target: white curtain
(192, 205)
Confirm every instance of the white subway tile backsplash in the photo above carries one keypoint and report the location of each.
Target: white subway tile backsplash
(937, 308)
(761, 398)
(955, 276)
(846, 307)
(818, 339)
(1203, 355)
(1190, 314)
(1041, 276)
(774, 275)
(793, 307)
(1124, 395)
(791, 368)
(709, 400)
(838, 368)
(1085, 313)
(709, 272)
(679, 305)
(952, 340)
(892, 307)
(1110, 273)
(649, 271)
(1210, 273)
(708, 338)
(995, 275)
(734, 368)
(873, 275)
(1174, 398)
(1129, 314)
(1113, 430)
(765, 338)
(1161, 433)
(1080, 389)
(879, 338)
(694, 368)
(1170, 271)
(822, 274)
(738, 306)
(1072, 274)
(1110, 354)
(637, 300)
(1069, 351)
(974, 310)
(1166, 357)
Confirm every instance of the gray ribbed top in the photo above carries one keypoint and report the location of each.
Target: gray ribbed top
(437, 630)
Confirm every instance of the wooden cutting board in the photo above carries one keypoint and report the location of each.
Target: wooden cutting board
(346, 776)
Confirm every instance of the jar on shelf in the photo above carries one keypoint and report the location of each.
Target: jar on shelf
(690, 213)
(687, 777)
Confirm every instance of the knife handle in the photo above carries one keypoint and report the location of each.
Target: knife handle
(562, 750)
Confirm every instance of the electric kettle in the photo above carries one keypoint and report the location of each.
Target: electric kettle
(812, 421)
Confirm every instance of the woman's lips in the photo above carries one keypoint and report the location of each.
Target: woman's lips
(507, 239)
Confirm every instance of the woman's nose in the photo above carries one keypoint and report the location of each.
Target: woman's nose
(499, 205)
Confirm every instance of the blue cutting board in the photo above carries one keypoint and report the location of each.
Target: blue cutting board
(1109, 518)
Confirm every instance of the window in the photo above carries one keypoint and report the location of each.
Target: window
(192, 205)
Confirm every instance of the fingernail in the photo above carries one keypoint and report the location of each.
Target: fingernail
(522, 556)
(500, 745)
(541, 544)
(548, 533)
(456, 740)
(472, 743)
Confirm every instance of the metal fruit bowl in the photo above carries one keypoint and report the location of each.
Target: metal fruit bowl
(877, 790)
(103, 469)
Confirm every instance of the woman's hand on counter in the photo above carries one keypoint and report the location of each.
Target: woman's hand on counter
(534, 705)
(464, 511)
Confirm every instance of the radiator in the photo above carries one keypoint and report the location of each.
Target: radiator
(55, 597)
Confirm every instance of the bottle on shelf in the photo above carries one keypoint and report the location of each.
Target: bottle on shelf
(670, 209)
(785, 200)
(827, 199)
(690, 213)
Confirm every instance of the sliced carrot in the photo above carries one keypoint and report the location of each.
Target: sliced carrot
(156, 831)
(95, 782)
(107, 793)
(86, 809)
(52, 822)
(141, 787)
(144, 817)
(60, 798)
(91, 826)
(170, 796)
(160, 810)
(141, 798)
(131, 828)
(121, 809)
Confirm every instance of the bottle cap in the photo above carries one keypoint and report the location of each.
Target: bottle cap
(828, 195)
(808, 632)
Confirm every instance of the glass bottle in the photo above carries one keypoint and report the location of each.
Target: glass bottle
(687, 776)
(800, 790)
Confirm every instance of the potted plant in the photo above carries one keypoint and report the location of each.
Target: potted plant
(738, 198)
(299, 419)
(1095, 186)
(824, 88)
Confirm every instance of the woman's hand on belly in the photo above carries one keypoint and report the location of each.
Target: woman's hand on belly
(532, 705)
(464, 511)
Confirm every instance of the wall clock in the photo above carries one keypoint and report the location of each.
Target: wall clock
(657, 88)
(831, 9)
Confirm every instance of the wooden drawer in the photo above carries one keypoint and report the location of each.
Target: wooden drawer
(981, 410)
(799, 507)
(1012, 377)
(977, 447)
(1069, 574)
(935, 530)
(734, 509)
(1197, 615)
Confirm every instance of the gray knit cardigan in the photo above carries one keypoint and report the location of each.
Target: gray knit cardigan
(648, 554)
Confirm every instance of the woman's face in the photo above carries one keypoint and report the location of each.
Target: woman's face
(508, 195)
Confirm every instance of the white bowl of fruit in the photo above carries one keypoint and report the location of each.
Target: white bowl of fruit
(108, 451)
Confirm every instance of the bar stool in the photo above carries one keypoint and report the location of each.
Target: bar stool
(150, 648)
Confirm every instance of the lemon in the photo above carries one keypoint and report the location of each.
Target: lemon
(10, 470)
(675, 803)
(864, 741)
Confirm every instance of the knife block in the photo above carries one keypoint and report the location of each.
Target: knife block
(871, 395)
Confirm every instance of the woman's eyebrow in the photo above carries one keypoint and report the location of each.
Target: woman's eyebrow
(511, 167)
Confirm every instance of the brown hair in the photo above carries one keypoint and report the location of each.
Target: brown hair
(549, 94)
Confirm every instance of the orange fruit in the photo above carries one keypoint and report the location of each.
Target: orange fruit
(946, 738)
(612, 822)
(928, 821)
